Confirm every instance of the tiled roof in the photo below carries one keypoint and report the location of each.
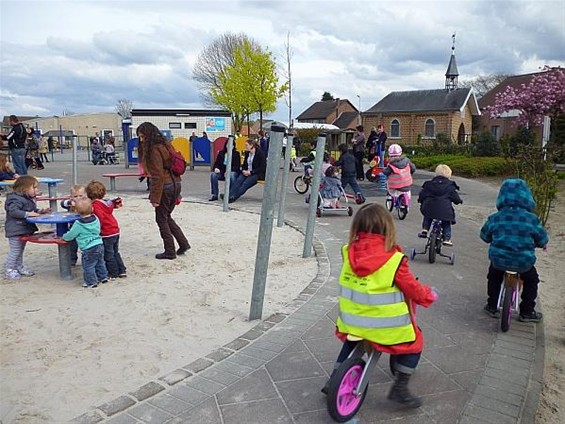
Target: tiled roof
(321, 110)
(514, 81)
(345, 120)
(421, 101)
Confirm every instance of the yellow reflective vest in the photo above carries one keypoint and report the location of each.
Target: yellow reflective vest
(372, 307)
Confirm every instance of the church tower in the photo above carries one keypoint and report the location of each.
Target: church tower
(452, 73)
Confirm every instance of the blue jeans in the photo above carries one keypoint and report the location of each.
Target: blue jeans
(74, 251)
(214, 178)
(242, 184)
(19, 161)
(446, 225)
(94, 269)
(112, 258)
(352, 182)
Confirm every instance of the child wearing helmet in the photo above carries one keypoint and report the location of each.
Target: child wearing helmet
(399, 171)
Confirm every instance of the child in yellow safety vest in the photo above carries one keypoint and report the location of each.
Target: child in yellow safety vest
(399, 172)
(377, 297)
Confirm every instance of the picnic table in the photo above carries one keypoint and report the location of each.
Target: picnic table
(62, 220)
(51, 187)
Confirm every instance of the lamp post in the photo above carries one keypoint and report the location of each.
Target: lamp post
(359, 117)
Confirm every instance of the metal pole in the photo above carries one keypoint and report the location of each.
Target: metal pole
(266, 223)
(227, 183)
(75, 165)
(284, 185)
(191, 164)
(314, 191)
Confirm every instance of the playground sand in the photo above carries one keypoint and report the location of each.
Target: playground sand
(66, 349)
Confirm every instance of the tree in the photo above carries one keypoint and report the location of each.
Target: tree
(123, 108)
(483, 83)
(327, 96)
(288, 76)
(543, 96)
(213, 61)
(250, 85)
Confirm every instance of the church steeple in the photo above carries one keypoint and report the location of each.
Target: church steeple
(452, 72)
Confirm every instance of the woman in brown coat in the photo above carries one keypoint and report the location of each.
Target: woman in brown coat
(164, 189)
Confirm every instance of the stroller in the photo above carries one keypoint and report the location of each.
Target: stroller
(331, 196)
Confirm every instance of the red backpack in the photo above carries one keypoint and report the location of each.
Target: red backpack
(178, 164)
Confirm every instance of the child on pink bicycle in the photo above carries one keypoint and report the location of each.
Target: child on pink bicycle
(513, 233)
(399, 173)
(377, 298)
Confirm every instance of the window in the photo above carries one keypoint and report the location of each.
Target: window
(190, 125)
(495, 131)
(395, 128)
(430, 130)
(175, 125)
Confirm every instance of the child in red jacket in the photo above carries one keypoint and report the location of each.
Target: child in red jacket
(377, 297)
(109, 228)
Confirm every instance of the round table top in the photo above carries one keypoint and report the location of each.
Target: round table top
(54, 218)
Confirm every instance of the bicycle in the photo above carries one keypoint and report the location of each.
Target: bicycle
(348, 385)
(302, 182)
(508, 298)
(434, 242)
(398, 200)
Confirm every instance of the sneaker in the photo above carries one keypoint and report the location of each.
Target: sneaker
(26, 272)
(492, 312)
(122, 275)
(213, 198)
(13, 274)
(90, 286)
(531, 317)
(423, 234)
(104, 281)
(447, 243)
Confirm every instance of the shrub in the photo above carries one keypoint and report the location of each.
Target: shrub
(485, 145)
(465, 166)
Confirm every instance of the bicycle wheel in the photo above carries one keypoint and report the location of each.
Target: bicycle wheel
(342, 402)
(389, 203)
(506, 315)
(402, 208)
(349, 210)
(433, 248)
(300, 185)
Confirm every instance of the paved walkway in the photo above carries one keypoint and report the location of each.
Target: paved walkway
(469, 373)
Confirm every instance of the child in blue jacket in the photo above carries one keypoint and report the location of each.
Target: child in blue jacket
(513, 233)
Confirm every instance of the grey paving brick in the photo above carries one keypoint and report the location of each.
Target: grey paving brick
(198, 365)
(527, 356)
(504, 358)
(149, 414)
(123, 419)
(276, 317)
(188, 394)
(256, 386)
(205, 413)
(467, 379)
(502, 385)
(496, 405)
(233, 368)
(471, 420)
(429, 380)
(507, 367)
(264, 326)
(265, 355)
(503, 396)
(488, 415)
(513, 346)
(116, 405)
(445, 407)
(451, 359)
(293, 365)
(90, 417)
(252, 334)
(176, 376)
(248, 361)
(147, 390)
(264, 411)
(237, 344)
(517, 379)
(513, 338)
(219, 376)
(204, 385)
(267, 345)
(219, 354)
(171, 404)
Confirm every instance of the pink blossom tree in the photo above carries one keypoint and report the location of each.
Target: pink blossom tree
(543, 96)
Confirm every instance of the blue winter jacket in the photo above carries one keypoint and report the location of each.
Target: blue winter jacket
(514, 231)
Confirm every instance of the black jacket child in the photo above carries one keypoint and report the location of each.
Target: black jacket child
(436, 198)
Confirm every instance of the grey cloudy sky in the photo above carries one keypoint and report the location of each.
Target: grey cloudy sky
(83, 56)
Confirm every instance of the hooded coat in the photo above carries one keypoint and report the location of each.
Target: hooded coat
(366, 255)
(436, 198)
(514, 231)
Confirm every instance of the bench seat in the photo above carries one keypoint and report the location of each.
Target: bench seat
(47, 237)
(114, 176)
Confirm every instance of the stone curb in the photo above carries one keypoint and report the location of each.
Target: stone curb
(147, 391)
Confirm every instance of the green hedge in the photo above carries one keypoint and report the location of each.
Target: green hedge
(465, 166)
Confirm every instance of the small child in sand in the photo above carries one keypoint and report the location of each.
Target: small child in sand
(77, 192)
(86, 231)
(109, 228)
(20, 204)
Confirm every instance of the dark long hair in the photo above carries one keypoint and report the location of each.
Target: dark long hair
(152, 137)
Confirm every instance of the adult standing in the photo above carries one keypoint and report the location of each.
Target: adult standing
(50, 144)
(264, 142)
(371, 144)
(253, 169)
(381, 144)
(219, 172)
(164, 190)
(17, 144)
(359, 151)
